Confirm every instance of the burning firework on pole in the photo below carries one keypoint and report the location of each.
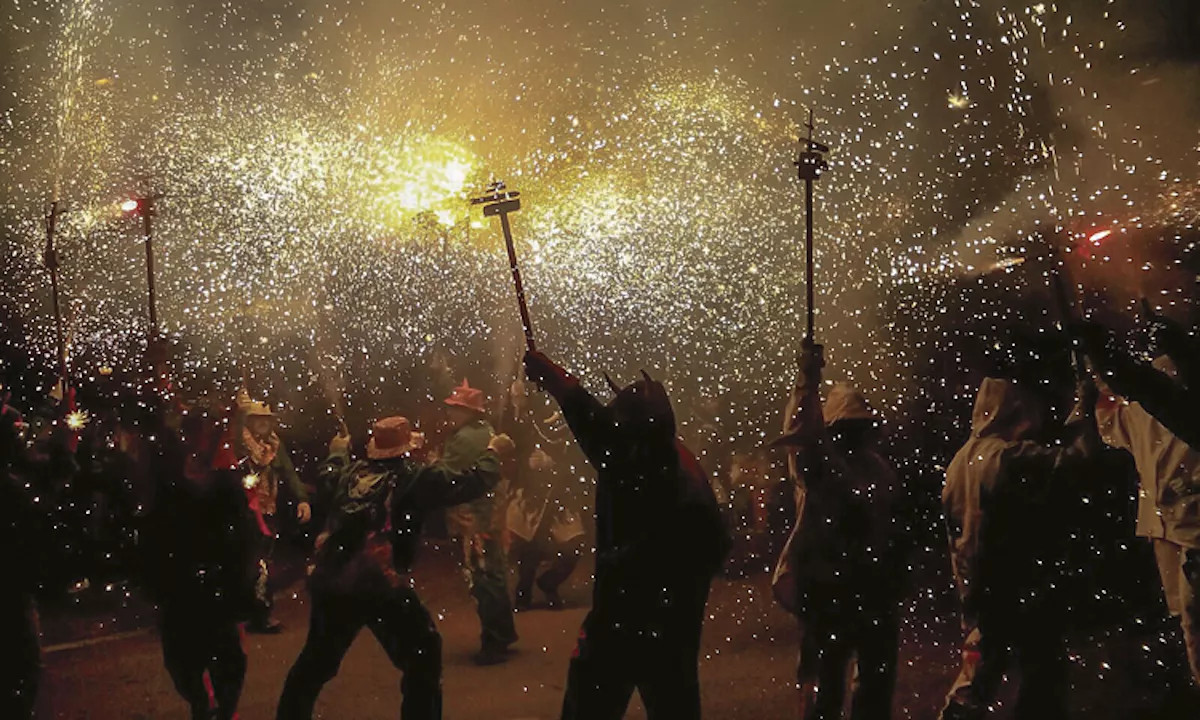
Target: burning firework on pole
(810, 165)
(501, 201)
(145, 207)
(51, 261)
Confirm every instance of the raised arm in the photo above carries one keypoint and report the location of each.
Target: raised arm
(803, 425)
(1060, 462)
(589, 420)
(437, 486)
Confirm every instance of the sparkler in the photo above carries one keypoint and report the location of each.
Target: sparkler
(77, 419)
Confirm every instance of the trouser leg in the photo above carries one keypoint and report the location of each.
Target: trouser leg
(1041, 656)
(264, 596)
(227, 667)
(184, 655)
(566, 558)
(528, 555)
(489, 586)
(1189, 607)
(19, 637)
(832, 658)
(331, 630)
(878, 646)
(984, 657)
(670, 686)
(406, 631)
(600, 681)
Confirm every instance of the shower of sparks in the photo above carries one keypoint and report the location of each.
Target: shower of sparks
(315, 159)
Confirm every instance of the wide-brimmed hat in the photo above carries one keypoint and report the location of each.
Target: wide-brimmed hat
(391, 437)
(465, 396)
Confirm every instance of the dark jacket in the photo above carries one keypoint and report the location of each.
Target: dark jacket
(199, 537)
(199, 542)
(379, 507)
(659, 535)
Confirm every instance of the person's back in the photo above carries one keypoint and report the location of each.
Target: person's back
(374, 524)
(1002, 501)
(200, 537)
(660, 541)
(363, 559)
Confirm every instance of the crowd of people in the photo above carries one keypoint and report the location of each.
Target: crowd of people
(217, 487)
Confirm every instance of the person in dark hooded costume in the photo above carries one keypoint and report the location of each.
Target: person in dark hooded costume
(659, 542)
(199, 540)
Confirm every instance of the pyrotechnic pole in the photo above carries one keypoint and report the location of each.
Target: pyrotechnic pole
(500, 201)
(145, 206)
(148, 232)
(51, 260)
(1065, 302)
(809, 165)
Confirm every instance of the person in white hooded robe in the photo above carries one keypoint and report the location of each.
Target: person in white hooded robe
(1003, 516)
(1168, 502)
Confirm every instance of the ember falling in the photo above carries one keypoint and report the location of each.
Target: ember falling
(311, 166)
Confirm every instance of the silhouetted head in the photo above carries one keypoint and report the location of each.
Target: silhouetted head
(643, 415)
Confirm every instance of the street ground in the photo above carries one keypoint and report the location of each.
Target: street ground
(746, 668)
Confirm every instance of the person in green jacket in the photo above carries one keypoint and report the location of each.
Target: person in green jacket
(364, 558)
(478, 524)
(268, 467)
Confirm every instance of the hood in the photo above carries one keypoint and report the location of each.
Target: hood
(1003, 409)
(845, 402)
(643, 411)
(1166, 365)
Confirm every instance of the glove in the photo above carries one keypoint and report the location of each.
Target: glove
(502, 445)
(1087, 393)
(543, 371)
(812, 359)
(340, 444)
(1094, 338)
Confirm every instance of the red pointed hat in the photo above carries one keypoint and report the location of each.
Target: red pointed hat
(467, 397)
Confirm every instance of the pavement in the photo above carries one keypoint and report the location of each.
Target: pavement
(746, 667)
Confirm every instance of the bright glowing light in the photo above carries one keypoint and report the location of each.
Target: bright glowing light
(1007, 263)
(250, 481)
(1099, 236)
(958, 102)
(425, 176)
(77, 420)
(129, 205)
